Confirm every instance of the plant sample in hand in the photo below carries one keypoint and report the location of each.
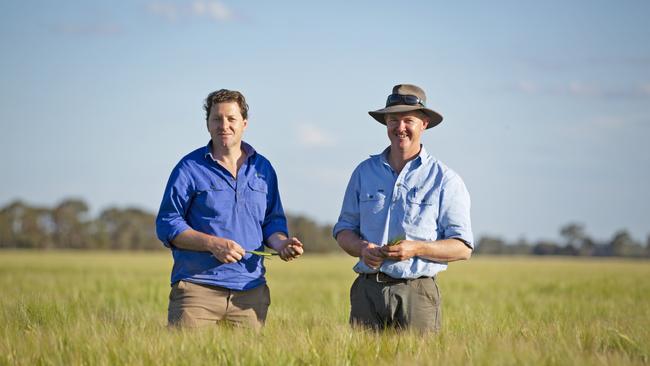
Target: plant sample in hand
(396, 240)
(260, 253)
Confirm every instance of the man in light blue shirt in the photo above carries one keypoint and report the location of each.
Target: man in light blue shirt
(405, 215)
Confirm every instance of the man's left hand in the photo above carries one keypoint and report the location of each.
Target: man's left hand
(402, 250)
(292, 248)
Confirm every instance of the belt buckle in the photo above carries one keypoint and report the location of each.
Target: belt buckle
(389, 279)
(377, 278)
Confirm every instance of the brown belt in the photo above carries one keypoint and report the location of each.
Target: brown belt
(381, 277)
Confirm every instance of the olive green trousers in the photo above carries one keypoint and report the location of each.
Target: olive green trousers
(379, 301)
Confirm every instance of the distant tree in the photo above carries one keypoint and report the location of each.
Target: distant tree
(11, 223)
(574, 233)
(37, 228)
(521, 247)
(587, 248)
(490, 245)
(623, 245)
(567, 250)
(70, 224)
(545, 247)
(316, 238)
(11, 226)
(130, 228)
(24, 226)
(576, 241)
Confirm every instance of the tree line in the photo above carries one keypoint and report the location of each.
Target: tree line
(575, 242)
(68, 225)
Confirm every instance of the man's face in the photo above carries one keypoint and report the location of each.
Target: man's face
(404, 130)
(226, 124)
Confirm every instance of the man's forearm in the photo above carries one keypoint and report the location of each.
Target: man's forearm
(195, 240)
(224, 250)
(445, 250)
(276, 240)
(350, 241)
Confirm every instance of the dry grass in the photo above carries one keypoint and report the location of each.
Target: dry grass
(103, 308)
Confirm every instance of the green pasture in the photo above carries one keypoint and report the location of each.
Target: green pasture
(100, 308)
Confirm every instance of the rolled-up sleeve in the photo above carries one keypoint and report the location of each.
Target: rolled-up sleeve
(274, 219)
(175, 202)
(349, 219)
(454, 220)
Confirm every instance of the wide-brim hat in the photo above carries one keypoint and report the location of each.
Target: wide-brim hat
(406, 98)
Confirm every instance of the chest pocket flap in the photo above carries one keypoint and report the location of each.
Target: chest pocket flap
(372, 200)
(419, 196)
(258, 185)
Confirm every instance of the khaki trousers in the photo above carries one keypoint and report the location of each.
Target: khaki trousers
(378, 301)
(195, 305)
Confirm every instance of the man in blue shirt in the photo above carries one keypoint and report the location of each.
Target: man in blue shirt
(221, 203)
(405, 215)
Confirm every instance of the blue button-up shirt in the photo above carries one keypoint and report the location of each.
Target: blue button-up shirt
(202, 195)
(425, 201)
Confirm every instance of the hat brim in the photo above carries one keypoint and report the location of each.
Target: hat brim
(435, 117)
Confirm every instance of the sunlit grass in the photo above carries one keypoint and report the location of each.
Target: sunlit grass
(110, 308)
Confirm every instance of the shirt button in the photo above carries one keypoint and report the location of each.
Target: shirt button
(399, 184)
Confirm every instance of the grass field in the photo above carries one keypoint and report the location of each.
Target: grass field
(72, 308)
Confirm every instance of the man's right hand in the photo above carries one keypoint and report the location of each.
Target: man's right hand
(226, 250)
(372, 256)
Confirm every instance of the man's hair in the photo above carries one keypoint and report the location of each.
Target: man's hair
(225, 96)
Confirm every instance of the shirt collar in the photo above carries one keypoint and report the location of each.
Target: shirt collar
(423, 156)
(248, 149)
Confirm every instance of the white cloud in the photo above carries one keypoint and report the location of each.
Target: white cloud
(213, 10)
(581, 89)
(603, 128)
(585, 90)
(312, 136)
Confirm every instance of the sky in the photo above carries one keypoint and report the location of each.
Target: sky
(546, 105)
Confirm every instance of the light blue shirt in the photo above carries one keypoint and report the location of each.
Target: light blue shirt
(426, 201)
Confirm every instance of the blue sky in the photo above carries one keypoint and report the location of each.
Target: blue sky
(546, 104)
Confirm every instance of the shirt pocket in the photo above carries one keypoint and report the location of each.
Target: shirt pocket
(422, 213)
(214, 203)
(256, 200)
(372, 205)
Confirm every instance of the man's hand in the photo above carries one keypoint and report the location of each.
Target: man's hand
(372, 256)
(400, 251)
(226, 250)
(291, 248)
